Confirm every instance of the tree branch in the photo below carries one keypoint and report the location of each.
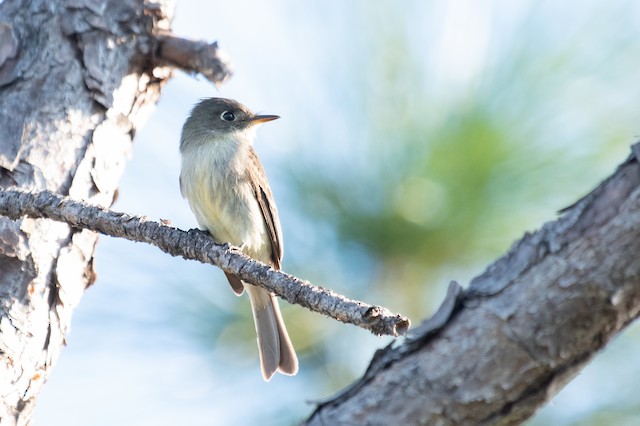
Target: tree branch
(197, 245)
(523, 329)
(194, 56)
(191, 56)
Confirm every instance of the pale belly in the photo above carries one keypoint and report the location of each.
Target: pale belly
(225, 205)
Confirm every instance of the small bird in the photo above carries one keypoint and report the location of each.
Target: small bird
(228, 192)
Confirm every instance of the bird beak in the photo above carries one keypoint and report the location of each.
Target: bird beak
(258, 119)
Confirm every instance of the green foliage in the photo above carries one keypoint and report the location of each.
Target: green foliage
(436, 175)
(434, 178)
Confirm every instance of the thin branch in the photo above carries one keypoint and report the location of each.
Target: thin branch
(197, 245)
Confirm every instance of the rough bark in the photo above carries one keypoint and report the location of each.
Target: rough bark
(77, 78)
(197, 245)
(521, 331)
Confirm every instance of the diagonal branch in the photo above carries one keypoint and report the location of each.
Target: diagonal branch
(197, 245)
(496, 352)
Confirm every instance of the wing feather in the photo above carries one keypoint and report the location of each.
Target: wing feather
(263, 195)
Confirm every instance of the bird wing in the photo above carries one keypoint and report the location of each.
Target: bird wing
(264, 197)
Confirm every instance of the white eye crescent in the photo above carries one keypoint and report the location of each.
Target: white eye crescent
(228, 116)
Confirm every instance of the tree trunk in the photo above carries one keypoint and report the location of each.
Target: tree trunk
(75, 84)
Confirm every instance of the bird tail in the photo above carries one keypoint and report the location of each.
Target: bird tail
(276, 350)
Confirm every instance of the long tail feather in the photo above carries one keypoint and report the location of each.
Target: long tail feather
(275, 348)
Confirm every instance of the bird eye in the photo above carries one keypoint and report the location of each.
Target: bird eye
(228, 116)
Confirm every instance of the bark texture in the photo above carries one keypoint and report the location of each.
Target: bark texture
(521, 331)
(76, 81)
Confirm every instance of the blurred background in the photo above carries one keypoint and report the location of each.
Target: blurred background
(417, 142)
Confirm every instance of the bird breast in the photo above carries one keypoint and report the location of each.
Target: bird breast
(215, 181)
